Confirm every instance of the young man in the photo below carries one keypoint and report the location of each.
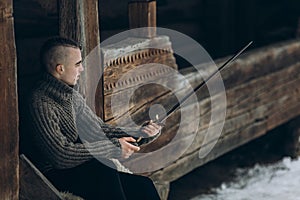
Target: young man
(67, 136)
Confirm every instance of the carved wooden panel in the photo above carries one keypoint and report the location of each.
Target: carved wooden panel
(128, 66)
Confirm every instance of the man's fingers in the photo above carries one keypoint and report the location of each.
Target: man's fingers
(129, 145)
(128, 154)
(129, 139)
(151, 129)
(126, 145)
(127, 148)
(148, 131)
(155, 127)
(133, 147)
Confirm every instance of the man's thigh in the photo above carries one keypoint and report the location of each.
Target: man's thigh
(91, 180)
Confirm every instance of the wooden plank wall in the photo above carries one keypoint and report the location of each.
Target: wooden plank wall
(9, 134)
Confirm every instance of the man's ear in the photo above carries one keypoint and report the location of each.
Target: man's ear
(59, 69)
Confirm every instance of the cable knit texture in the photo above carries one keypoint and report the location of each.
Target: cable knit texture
(59, 115)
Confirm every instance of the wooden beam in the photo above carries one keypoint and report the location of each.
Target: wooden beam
(143, 14)
(33, 184)
(78, 20)
(9, 137)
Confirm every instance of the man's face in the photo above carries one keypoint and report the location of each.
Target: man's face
(72, 66)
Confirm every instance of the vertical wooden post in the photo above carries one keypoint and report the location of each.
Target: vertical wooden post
(9, 134)
(79, 20)
(143, 14)
(292, 143)
(163, 189)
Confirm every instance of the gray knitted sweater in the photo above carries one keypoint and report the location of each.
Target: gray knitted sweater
(66, 132)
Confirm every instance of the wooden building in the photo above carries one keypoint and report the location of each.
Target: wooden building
(262, 86)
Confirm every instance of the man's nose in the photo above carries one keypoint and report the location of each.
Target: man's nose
(81, 68)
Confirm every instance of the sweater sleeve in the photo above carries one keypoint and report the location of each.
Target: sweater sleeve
(91, 127)
(136, 133)
(61, 152)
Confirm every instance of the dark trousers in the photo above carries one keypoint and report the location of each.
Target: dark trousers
(94, 180)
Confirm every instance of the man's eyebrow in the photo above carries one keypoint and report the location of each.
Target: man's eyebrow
(78, 62)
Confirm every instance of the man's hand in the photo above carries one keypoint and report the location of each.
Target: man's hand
(127, 148)
(151, 128)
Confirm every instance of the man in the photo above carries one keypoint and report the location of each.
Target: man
(68, 136)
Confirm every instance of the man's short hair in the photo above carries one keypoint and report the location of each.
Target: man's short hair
(49, 47)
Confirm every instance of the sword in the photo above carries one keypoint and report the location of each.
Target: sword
(160, 121)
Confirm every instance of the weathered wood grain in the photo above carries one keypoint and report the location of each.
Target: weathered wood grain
(9, 137)
(240, 111)
(162, 91)
(262, 61)
(127, 65)
(256, 105)
(143, 14)
(233, 126)
(267, 112)
(185, 164)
